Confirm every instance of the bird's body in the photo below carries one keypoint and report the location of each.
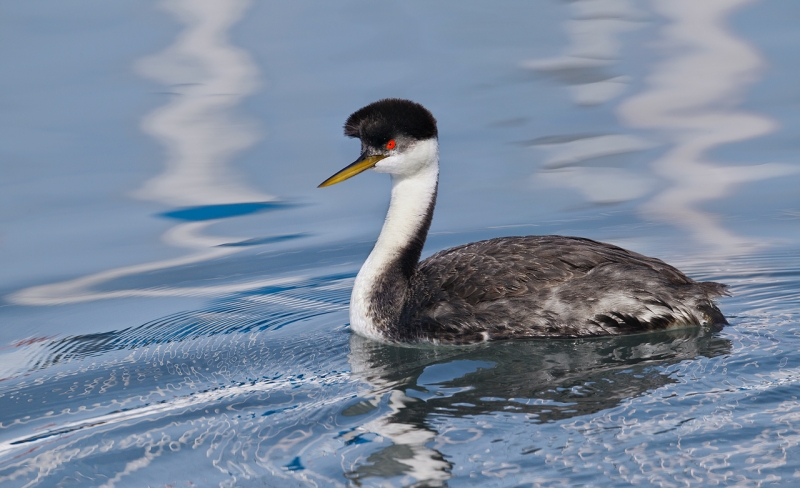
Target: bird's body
(510, 287)
(549, 286)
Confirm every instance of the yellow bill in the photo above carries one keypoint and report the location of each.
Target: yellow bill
(362, 164)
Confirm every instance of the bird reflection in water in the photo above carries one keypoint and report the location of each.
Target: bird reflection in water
(546, 381)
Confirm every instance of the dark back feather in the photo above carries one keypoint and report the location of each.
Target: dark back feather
(549, 286)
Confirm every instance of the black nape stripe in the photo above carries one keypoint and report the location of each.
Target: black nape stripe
(391, 289)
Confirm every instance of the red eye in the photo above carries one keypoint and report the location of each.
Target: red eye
(391, 144)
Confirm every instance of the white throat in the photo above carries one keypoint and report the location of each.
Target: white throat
(415, 175)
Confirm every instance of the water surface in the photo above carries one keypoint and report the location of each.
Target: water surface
(175, 288)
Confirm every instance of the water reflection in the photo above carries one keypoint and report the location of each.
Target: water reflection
(207, 77)
(274, 305)
(588, 65)
(592, 165)
(689, 101)
(547, 381)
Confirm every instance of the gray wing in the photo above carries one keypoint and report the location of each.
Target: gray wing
(548, 286)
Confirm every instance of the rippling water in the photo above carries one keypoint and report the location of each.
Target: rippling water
(175, 289)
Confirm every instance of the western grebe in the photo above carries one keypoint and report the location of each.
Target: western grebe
(509, 287)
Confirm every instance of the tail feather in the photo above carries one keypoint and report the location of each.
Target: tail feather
(707, 307)
(714, 289)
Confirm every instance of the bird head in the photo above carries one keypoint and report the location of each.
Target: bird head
(397, 137)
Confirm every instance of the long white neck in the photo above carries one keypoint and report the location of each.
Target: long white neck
(380, 287)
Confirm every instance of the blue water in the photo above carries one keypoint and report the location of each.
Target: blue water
(175, 287)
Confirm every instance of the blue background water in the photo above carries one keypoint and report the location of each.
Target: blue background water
(175, 288)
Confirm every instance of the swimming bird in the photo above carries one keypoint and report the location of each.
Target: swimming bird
(503, 288)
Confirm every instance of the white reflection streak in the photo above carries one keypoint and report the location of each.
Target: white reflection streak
(208, 76)
(686, 102)
(567, 163)
(586, 68)
(183, 235)
(425, 464)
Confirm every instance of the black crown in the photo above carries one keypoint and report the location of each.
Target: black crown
(381, 121)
